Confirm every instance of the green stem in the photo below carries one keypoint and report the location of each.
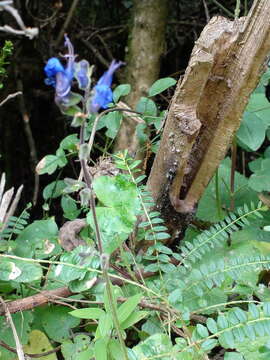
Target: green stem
(246, 8)
(237, 9)
(105, 265)
(218, 201)
(232, 177)
(228, 12)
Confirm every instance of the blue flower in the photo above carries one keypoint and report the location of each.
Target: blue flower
(102, 91)
(82, 74)
(61, 77)
(52, 67)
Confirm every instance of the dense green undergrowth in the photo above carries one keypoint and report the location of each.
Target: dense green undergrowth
(209, 295)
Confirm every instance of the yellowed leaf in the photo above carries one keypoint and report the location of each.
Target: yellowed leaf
(38, 343)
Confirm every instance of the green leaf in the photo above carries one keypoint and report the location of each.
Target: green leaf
(57, 322)
(121, 90)
(152, 326)
(74, 99)
(113, 122)
(202, 331)
(19, 271)
(105, 326)
(69, 207)
(38, 238)
(87, 313)
(81, 255)
(80, 349)
(117, 192)
(125, 309)
(71, 111)
(154, 345)
(175, 296)
(62, 161)
(133, 319)
(226, 339)
(47, 165)
(54, 189)
(209, 344)
(161, 85)
(255, 165)
(116, 221)
(140, 133)
(100, 349)
(212, 325)
(148, 108)
(259, 181)
(70, 143)
(208, 207)
(22, 322)
(259, 106)
(233, 356)
(115, 350)
(251, 132)
(86, 283)
(114, 226)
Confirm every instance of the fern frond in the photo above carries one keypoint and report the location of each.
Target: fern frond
(234, 327)
(202, 287)
(218, 233)
(16, 224)
(207, 277)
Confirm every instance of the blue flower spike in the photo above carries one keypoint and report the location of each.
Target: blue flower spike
(103, 95)
(60, 77)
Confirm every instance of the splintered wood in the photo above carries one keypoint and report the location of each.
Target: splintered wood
(225, 67)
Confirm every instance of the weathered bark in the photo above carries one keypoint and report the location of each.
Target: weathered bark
(225, 67)
(146, 46)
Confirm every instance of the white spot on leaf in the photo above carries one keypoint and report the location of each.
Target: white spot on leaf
(58, 270)
(48, 247)
(15, 272)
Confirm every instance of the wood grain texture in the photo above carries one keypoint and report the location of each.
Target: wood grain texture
(225, 67)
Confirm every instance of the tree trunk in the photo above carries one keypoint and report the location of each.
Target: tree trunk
(146, 46)
(225, 67)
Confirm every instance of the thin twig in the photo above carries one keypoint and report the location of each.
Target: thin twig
(29, 136)
(228, 12)
(108, 51)
(97, 31)
(19, 348)
(207, 15)
(95, 51)
(66, 23)
(10, 96)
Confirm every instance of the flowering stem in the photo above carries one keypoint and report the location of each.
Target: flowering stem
(104, 258)
(88, 179)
